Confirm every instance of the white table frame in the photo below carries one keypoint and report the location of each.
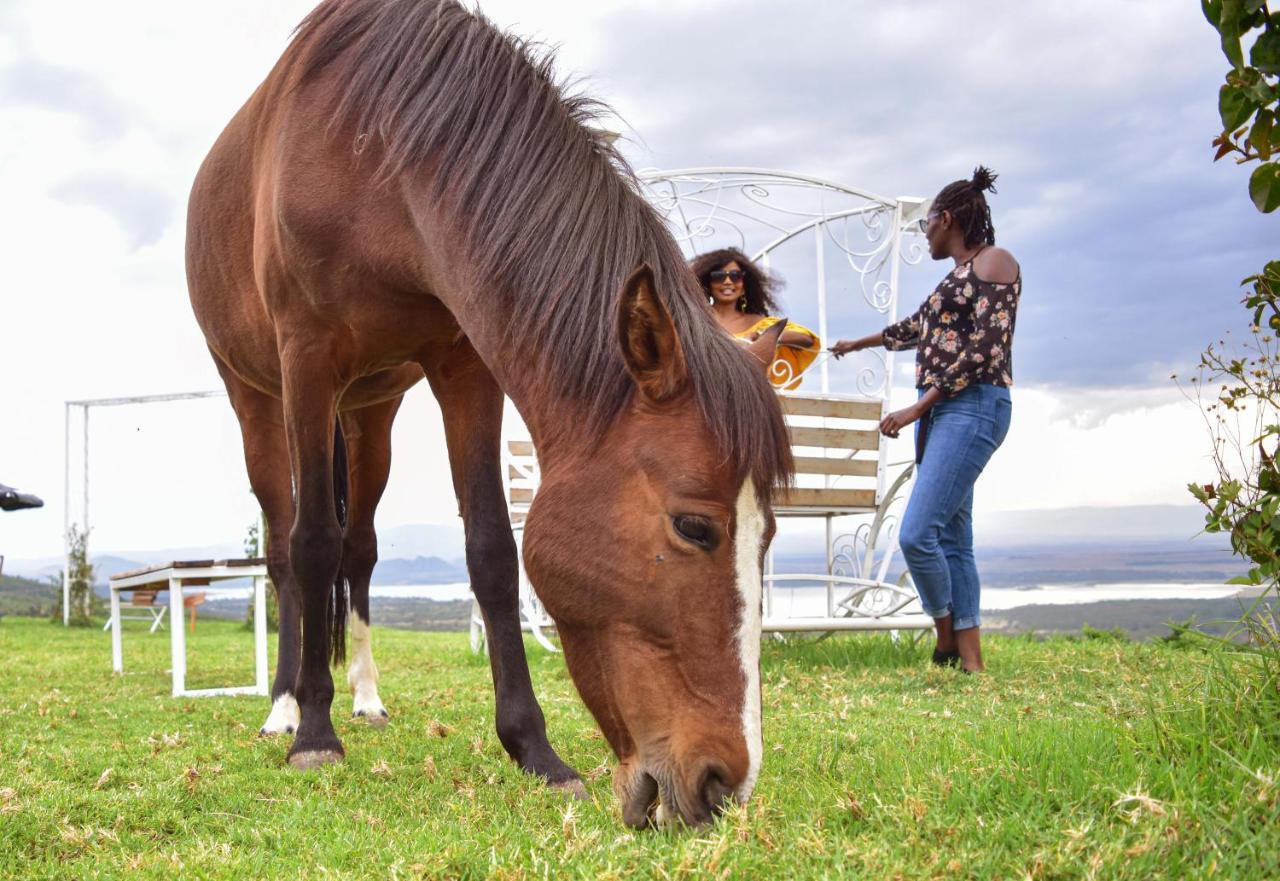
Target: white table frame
(171, 578)
(155, 614)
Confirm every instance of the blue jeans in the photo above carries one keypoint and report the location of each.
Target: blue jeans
(937, 530)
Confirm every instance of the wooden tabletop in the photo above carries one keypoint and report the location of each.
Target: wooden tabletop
(190, 564)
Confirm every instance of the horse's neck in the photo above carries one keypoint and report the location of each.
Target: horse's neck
(544, 409)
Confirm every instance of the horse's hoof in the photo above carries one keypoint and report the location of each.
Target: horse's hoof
(374, 718)
(314, 758)
(574, 788)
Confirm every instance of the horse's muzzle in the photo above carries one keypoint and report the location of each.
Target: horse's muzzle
(658, 801)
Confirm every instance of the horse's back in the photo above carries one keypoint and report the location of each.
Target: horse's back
(278, 244)
(221, 225)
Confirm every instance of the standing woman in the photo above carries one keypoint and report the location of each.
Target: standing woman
(741, 298)
(963, 337)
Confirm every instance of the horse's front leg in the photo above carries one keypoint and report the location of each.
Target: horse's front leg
(368, 436)
(315, 544)
(471, 404)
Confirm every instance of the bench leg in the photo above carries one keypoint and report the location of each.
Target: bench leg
(177, 638)
(117, 654)
(260, 633)
(157, 617)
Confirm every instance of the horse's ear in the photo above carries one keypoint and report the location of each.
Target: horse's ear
(648, 337)
(764, 348)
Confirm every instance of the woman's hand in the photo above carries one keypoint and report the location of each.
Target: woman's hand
(844, 347)
(900, 419)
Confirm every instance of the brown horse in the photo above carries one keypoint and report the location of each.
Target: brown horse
(410, 192)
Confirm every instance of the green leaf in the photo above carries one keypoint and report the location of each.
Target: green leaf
(1265, 54)
(1229, 23)
(1262, 94)
(1260, 134)
(1235, 106)
(1212, 11)
(1264, 187)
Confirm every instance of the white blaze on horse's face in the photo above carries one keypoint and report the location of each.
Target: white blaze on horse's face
(748, 541)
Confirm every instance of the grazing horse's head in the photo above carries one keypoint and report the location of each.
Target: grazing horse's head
(647, 551)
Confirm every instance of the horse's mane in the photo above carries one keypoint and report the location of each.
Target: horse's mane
(547, 209)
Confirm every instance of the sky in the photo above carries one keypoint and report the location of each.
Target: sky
(1096, 115)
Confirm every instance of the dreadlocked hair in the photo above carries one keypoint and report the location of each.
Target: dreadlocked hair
(964, 199)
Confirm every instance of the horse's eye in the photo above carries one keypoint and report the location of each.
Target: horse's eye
(695, 529)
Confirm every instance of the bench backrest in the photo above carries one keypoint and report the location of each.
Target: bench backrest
(521, 478)
(835, 441)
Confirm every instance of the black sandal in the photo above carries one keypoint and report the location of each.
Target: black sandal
(946, 659)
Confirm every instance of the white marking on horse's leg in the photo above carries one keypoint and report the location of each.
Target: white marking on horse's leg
(284, 716)
(362, 675)
(748, 539)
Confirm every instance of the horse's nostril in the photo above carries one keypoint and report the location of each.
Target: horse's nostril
(716, 794)
(638, 804)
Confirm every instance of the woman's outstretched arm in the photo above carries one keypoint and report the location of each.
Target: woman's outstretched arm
(844, 347)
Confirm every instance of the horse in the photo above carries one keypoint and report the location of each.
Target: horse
(411, 192)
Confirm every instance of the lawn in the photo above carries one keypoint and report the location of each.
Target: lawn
(1073, 758)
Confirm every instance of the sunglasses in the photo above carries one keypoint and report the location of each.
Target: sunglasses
(923, 222)
(734, 275)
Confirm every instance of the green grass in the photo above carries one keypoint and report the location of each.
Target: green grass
(1073, 759)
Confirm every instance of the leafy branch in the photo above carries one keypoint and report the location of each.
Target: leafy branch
(1247, 101)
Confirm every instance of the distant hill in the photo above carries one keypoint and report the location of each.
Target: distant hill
(24, 596)
(419, 570)
(1049, 526)
(443, 540)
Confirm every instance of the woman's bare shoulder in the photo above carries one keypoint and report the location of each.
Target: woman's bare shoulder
(996, 265)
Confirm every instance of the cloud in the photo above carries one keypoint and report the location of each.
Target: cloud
(142, 209)
(30, 82)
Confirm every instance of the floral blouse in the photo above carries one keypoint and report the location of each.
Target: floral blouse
(962, 334)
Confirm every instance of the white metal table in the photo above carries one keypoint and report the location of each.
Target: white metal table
(172, 577)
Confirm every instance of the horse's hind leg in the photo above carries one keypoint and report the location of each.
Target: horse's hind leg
(471, 404)
(266, 456)
(367, 432)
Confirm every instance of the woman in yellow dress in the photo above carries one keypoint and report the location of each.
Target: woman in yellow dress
(740, 295)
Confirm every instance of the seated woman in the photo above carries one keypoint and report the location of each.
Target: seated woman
(741, 298)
